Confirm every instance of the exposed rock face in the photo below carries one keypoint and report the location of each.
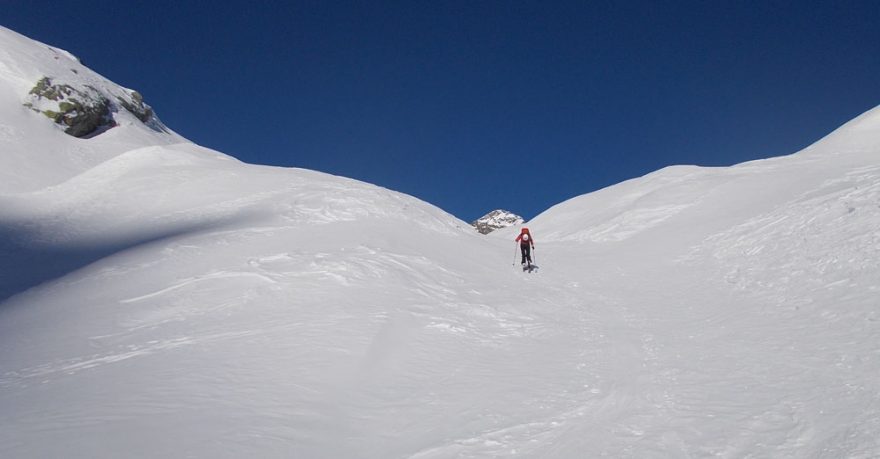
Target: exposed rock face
(137, 107)
(496, 219)
(86, 111)
(82, 111)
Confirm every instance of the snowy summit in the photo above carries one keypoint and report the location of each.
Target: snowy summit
(160, 299)
(495, 220)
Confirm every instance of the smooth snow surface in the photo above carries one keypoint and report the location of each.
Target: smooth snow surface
(158, 299)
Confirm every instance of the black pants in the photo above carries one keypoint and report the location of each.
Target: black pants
(526, 250)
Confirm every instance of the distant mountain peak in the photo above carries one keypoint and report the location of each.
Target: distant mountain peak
(496, 219)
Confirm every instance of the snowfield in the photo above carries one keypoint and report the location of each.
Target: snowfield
(159, 299)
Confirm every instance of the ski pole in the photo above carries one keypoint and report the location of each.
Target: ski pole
(514, 254)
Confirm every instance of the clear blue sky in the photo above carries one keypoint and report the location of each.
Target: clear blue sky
(475, 105)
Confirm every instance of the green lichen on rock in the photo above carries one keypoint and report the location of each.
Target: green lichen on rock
(45, 89)
(42, 87)
(68, 106)
(81, 112)
(84, 119)
(84, 110)
(52, 115)
(137, 107)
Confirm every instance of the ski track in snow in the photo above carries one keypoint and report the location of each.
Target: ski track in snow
(193, 280)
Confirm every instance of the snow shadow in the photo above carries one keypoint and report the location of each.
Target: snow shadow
(25, 263)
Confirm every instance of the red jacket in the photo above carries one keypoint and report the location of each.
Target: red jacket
(525, 238)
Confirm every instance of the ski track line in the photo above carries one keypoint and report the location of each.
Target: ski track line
(523, 438)
(75, 365)
(196, 279)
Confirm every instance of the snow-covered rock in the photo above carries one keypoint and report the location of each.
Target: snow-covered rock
(496, 219)
(160, 299)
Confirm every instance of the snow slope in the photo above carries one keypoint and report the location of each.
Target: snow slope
(161, 299)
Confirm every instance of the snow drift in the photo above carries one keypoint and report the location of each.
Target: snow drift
(161, 299)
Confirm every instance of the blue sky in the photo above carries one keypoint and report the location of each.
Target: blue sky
(474, 106)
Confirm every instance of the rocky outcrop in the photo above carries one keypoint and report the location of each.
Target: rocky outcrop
(85, 111)
(495, 220)
(82, 111)
(136, 106)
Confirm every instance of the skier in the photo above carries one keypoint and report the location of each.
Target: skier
(526, 244)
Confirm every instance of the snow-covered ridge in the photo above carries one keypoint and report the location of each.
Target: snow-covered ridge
(674, 195)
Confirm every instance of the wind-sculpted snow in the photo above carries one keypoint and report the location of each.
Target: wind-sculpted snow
(827, 238)
(154, 193)
(159, 299)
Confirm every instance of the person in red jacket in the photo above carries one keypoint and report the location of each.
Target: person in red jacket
(526, 244)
